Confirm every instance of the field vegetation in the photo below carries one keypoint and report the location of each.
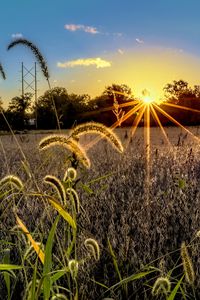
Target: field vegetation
(134, 237)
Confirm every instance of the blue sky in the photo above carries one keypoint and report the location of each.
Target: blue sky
(73, 34)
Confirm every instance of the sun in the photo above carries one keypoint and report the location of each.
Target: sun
(148, 99)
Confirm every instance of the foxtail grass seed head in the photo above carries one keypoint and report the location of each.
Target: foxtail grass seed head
(57, 185)
(93, 127)
(187, 264)
(35, 51)
(161, 286)
(75, 198)
(68, 143)
(73, 268)
(93, 248)
(70, 174)
(12, 180)
(3, 75)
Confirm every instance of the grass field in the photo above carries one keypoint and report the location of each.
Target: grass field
(114, 211)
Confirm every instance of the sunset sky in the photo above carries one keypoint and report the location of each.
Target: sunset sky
(91, 44)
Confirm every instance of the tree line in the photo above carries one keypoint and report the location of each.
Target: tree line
(23, 113)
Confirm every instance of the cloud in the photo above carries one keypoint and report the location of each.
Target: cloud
(120, 51)
(17, 35)
(98, 62)
(75, 27)
(139, 41)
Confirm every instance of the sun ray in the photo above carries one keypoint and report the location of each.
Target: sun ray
(147, 146)
(175, 121)
(110, 108)
(154, 114)
(127, 115)
(124, 118)
(181, 107)
(135, 123)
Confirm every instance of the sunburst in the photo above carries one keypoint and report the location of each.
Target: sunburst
(145, 107)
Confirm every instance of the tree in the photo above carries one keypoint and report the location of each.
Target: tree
(122, 92)
(17, 110)
(181, 94)
(69, 108)
(176, 91)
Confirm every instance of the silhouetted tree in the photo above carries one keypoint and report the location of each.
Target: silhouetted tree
(180, 93)
(17, 109)
(122, 92)
(70, 108)
(177, 90)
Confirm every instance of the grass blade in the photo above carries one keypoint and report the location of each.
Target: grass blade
(37, 249)
(8, 267)
(62, 212)
(6, 260)
(114, 260)
(175, 290)
(48, 260)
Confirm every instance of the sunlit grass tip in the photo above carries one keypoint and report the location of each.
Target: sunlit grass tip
(73, 268)
(75, 198)
(93, 248)
(187, 264)
(57, 185)
(161, 286)
(98, 128)
(70, 174)
(36, 52)
(13, 180)
(68, 143)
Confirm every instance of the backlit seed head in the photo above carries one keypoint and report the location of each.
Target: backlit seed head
(98, 128)
(12, 180)
(187, 264)
(75, 198)
(68, 143)
(161, 286)
(57, 185)
(70, 174)
(73, 268)
(93, 248)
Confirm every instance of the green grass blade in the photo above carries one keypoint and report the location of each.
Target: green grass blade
(175, 290)
(131, 278)
(63, 212)
(114, 260)
(6, 275)
(33, 285)
(48, 260)
(7, 267)
(58, 275)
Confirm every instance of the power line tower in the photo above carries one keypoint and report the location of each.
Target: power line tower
(29, 83)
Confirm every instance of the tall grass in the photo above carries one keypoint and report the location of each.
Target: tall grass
(144, 242)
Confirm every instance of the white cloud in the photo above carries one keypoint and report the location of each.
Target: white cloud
(120, 51)
(139, 41)
(17, 35)
(96, 61)
(75, 27)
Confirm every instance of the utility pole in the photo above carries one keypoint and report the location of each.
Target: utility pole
(29, 84)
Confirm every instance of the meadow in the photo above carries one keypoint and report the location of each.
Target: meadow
(139, 239)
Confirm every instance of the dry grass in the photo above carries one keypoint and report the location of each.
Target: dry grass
(139, 233)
